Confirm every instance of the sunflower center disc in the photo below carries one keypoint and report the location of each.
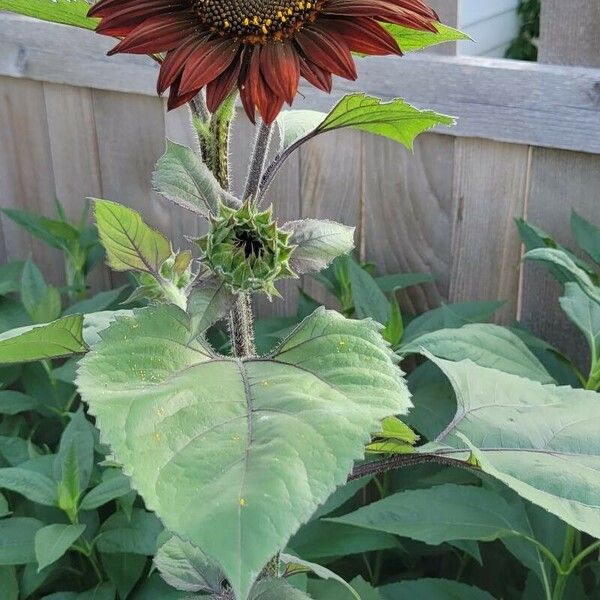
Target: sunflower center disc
(256, 21)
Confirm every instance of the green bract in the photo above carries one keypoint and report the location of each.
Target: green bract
(247, 250)
(247, 448)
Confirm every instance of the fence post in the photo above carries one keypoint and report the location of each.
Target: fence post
(570, 35)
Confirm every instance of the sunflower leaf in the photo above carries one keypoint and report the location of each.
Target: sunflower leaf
(130, 244)
(318, 243)
(229, 437)
(181, 177)
(396, 120)
(66, 12)
(60, 338)
(411, 40)
(540, 440)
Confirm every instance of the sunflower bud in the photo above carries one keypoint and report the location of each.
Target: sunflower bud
(247, 250)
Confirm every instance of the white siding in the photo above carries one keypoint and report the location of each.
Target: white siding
(491, 23)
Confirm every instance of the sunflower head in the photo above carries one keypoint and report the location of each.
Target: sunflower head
(247, 250)
(261, 47)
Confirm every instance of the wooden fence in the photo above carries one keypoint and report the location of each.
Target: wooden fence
(74, 123)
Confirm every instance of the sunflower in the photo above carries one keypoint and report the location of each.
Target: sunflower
(262, 47)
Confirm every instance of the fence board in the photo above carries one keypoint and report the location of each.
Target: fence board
(26, 176)
(331, 180)
(408, 217)
(74, 153)
(561, 181)
(490, 192)
(131, 138)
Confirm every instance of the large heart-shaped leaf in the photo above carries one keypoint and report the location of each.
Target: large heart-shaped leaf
(540, 440)
(486, 345)
(245, 447)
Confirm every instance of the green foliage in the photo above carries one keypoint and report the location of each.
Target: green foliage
(411, 40)
(258, 453)
(226, 444)
(396, 120)
(524, 46)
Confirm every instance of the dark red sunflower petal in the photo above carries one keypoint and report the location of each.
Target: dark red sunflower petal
(127, 17)
(176, 98)
(256, 93)
(382, 10)
(175, 62)
(280, 67)
(106, 8)
(319, 47)
(316, 76)
(218, 89)
(363, 35)
(157, 34)
(209, 60)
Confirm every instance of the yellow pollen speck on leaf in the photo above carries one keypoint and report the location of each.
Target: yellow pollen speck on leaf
(243, 502)
(157, 437)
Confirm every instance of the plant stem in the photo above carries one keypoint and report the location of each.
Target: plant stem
(219, 130)
(565, 563)
(258, 161)
(241, 327)
(201, 119)
(405, 460)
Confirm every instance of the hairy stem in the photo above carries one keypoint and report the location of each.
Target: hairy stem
(241, 327)
(258, 161)
(200, 121)
(219, 132)
(404, 460)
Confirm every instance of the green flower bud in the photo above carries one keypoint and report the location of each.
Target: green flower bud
(247, 250)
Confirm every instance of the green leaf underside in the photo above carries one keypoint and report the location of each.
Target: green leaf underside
(317, 243)
(297, 565)
(181, 177)
(67, 12)
(540, 440)
(396, 119)
(486, 345)
(212, 442)
(130, 244)
(276, 589)
(441, 514)
(187, 568)
(59, 338)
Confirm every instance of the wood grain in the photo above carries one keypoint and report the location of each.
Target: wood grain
(562, 181)
(131, 138)
(570, 32)
(332, 187)
(26, 175)
(409, 208)
(490, 192)
(75, 158)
